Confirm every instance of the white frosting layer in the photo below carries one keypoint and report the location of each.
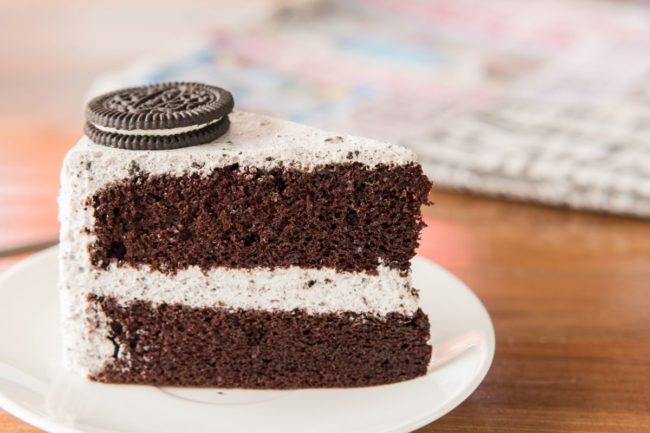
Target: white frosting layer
(155, 132)
(252, 140)
(314, 290)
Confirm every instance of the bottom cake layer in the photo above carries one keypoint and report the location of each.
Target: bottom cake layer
(188, 346)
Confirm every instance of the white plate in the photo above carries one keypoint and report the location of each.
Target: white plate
(35, 388)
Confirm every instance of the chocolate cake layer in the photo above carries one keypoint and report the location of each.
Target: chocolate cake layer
(343, 216)
(183, 346)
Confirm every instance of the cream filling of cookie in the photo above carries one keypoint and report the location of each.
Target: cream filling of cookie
(156, 132)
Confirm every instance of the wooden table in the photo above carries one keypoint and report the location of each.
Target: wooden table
(569, 292)
(569, 295)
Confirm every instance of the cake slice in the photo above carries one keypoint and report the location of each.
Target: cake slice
(266, 254)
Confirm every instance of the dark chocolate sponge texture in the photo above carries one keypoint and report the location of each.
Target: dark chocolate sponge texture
(162, 108)
(343, 216)
(259, 349)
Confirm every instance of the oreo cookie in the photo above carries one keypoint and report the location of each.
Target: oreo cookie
(159, 116)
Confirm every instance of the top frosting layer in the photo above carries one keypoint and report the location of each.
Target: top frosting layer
(254, 140)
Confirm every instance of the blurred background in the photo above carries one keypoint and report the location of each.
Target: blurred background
(532, 117)
(539, 100)
(543, 100)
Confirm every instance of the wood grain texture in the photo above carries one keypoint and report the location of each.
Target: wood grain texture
(569, 295)
(9, 424)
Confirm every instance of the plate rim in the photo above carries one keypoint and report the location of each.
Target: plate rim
(478, 378)
(6, 403)
(46, 423)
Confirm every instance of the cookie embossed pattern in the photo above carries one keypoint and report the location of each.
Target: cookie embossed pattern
(159, 116)
(204, 247)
